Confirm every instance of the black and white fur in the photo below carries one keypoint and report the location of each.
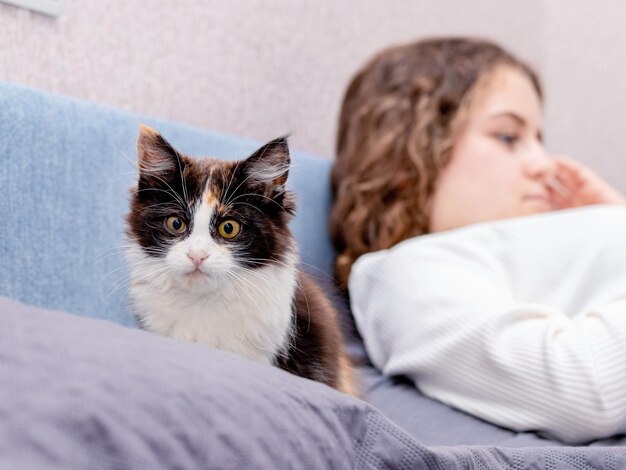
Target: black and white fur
(243, 294)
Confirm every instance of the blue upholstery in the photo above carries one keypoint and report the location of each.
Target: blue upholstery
(65, 170)
(66, 167)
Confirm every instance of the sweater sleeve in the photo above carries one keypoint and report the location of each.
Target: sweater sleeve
(456, 330)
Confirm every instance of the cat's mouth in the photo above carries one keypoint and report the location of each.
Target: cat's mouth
(196, 274)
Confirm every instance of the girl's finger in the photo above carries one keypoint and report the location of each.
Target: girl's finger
(572, 171)
(559, 187)
(567, 174)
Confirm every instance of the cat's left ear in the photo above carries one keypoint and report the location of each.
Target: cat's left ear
(157, 159)
(269, 166)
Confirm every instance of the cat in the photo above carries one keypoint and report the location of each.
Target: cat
(212, 260)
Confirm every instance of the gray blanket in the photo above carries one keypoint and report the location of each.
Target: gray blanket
(81, 393)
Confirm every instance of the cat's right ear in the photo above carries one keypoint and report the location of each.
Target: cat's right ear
(157, 159)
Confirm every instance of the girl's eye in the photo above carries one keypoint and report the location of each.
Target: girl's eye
(175, 225)
(507, 139)
(229, 229)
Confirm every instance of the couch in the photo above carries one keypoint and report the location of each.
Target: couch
(83, 387)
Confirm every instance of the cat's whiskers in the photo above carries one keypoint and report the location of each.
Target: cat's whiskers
(298, 286)
(253, 300)
(122, 245)
(130, 160)
(227, 203)
(232, 175)
(266, 262)
(239, 249)
(163, 276)
(121, 250)
(251, 340)
(143, 273)
(160, 204)
(306, 300)
(166, 272)
(251, 284)
(246, 204)
(182, 177)
(143, 263)
(110, 273)
(286, 168)
(127, 266)
(254, 272)
(170, 193)
(241, 257)
(231, 288)
(124, 282)
(177, 201)
(183, 202)
(230, 203)
(262, 262)
(298, 282)
(127, 281)
(110, 252)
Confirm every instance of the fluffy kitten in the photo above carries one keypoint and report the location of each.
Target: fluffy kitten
(213, 261)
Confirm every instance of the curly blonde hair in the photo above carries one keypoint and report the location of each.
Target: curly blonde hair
(398, 124)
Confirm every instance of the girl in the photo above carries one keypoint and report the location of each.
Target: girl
(468, 279)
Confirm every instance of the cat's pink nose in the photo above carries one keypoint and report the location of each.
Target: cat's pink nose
(197, 256)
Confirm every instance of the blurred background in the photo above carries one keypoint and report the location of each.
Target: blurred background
(264, 68)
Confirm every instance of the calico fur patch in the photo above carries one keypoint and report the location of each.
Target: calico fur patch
(213, 260)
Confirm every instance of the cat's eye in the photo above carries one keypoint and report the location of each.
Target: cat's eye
(175, 225)
(229, 229)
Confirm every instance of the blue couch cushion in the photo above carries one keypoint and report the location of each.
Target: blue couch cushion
(67, 166)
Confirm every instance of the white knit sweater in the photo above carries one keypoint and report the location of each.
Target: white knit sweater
(521, 322)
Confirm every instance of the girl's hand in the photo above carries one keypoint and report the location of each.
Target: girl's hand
(575, 185)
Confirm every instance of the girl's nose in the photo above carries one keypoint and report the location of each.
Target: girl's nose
(539, 163)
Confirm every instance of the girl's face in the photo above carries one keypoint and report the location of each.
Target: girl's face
(499, 167)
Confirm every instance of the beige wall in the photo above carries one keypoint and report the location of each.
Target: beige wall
(584, 68)
(264, 68)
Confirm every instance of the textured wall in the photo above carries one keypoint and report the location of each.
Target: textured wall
(264, 68)
(584, 66)
(258, 68)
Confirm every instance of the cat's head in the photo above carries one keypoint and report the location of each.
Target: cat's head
(202, 222)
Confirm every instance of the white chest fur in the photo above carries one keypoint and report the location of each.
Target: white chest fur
(249, 314)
